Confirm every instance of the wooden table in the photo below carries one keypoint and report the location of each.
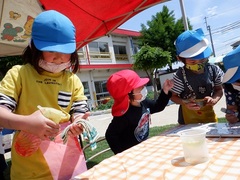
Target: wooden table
(161, 157)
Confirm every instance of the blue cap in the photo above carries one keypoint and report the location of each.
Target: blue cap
(193, 44)
(231, 64)
(53, 31)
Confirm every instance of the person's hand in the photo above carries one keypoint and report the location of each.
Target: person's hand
(86, 115)
(231, 118)
(42, 126)
(191, 105)
(210, 101)
(167, 85)
(76, 129)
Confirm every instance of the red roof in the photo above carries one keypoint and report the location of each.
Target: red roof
(106, 66)
(126, 32)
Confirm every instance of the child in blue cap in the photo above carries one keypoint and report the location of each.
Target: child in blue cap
(198, 84)
(231, 85)
(44, 80)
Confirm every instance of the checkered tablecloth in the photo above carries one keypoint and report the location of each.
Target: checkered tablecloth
(161, 157)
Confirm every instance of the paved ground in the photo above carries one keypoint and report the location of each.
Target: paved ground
(167, 116)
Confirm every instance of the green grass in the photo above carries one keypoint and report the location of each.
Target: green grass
(103, 145)
(222, 120)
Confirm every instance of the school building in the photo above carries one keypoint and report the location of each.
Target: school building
(101, 58)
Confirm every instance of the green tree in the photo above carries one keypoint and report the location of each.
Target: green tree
(162, 31)
(149, 59)
(7, 62)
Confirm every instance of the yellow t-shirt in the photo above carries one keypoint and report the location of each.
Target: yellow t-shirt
(28, 89)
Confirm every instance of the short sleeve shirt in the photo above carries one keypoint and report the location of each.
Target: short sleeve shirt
(202, 84)
(232, 95)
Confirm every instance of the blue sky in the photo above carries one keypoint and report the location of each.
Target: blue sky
(221, 15)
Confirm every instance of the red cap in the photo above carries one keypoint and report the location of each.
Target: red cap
(119, 85)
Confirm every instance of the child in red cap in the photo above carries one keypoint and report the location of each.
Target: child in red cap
(131, 110)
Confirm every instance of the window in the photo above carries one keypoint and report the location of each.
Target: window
(98, 46)
(86, 89)
(119, 49)
(80, 50)
(99, 50)
(101, 86)
(101, 91)
(134, 45)
(135, 48)
(80, 53)
(120, 52)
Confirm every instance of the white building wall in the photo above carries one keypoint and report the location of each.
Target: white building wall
(93, 75)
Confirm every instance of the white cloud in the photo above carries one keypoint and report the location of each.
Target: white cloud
(212, 11)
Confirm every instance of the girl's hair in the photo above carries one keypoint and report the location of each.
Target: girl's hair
(32, 56)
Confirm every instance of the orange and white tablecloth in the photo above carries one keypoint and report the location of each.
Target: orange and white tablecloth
(161, 157)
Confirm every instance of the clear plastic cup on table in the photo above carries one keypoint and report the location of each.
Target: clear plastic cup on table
(194, 145)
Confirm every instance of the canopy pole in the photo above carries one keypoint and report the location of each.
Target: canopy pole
(185, 23)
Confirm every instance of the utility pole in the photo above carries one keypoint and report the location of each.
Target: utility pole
(185, 23)
(210, 33)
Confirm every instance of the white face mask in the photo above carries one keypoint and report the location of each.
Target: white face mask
(144, 93)
(236, 87)
(52, 67)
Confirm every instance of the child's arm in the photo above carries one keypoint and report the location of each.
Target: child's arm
(77, 129)
(34, 123)
(80, 111)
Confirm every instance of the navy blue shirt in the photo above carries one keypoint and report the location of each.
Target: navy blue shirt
(232, 96)
(133, 127)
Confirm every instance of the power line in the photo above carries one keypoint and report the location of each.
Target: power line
(223, 30)
(227, 28)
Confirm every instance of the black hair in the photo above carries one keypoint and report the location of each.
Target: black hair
(183, 60)
(32, 56)
(131, 96)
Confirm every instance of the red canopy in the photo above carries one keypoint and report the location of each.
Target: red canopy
(92, 19)
(96, 18)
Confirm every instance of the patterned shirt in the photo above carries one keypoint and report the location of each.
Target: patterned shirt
(232, 95)
(199, 85)
(202, 84)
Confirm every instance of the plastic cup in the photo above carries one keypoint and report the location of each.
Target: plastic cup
(194, 145)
